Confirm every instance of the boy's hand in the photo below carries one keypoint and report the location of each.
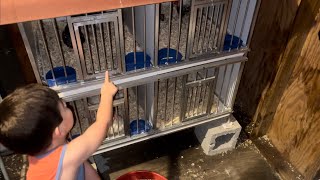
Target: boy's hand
(86, 144)
(108, 88)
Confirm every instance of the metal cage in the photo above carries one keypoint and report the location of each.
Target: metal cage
(179, 100)
(177, 64)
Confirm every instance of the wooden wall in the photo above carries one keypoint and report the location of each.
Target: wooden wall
(14, 62)
(280, 88)
(272, 29)
(295, 128)
(21, 53)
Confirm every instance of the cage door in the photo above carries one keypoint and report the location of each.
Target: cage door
(99, 43)
(207, 29)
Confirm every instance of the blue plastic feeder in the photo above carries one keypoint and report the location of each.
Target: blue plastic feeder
(163, 57)
(142, 127)
(129, 59)
(235, 42)
(60, 76)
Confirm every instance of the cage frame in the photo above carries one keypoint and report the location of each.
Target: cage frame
(125, 80)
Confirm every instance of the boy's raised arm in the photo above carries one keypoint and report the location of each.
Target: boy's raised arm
(81, 148)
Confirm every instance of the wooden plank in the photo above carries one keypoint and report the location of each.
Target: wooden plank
(13, 11)
(278, 77)
(11, 75)
(290, 106)
(296, 124)
(278, 163)
(270, 36)
(21, 53)
(280, 86)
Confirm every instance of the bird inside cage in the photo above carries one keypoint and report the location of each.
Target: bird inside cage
(176, 4)
(185, 8)
(66, 38)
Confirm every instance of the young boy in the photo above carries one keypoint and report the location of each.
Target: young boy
(36, 122)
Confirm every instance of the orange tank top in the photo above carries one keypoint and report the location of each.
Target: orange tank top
(45, 166)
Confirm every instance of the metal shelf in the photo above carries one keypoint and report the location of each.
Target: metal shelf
(92, 88)
(108, 146)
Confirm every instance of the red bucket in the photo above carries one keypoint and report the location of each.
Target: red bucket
(138, 175)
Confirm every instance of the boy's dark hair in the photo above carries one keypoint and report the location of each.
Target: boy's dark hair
(28, 118)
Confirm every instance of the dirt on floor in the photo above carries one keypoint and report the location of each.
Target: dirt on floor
(179, 156)
(175, 156)
(16, 166)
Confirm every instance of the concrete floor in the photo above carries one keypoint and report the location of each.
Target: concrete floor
(179, 156)
(175, 156)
